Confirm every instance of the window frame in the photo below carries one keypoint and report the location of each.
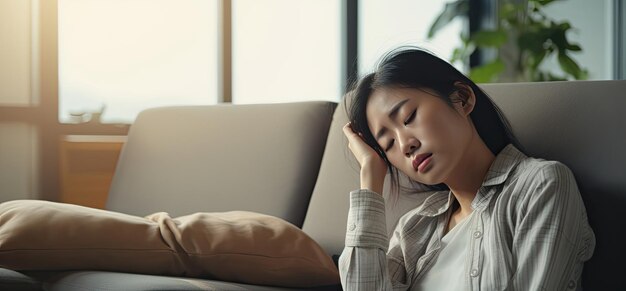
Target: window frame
(619, 41)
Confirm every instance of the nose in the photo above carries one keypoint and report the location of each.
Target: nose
(408, 144)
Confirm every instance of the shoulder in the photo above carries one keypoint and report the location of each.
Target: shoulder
(535, 174)
(541, 183)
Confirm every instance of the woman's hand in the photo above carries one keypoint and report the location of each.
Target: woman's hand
(373, 167)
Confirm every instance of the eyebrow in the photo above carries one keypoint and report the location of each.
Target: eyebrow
(392, 113)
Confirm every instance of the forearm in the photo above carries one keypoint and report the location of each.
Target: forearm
(372, 177)
(360, 269)
(365, 263)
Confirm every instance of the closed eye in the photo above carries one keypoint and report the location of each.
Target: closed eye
(389, 146)
(410, 118)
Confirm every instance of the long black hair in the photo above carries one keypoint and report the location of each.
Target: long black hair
(412, 67)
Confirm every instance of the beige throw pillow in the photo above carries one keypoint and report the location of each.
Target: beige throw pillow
(233, 246)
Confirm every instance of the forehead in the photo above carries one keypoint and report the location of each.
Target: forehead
(382, 101)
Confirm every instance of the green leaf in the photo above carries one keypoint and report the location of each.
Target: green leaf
(486, 73)
(574, 47)
(457, 55)
(552, 77)
(450, 11)
(535, 59)
(564, 26)
(463, 52)
(509, 11)
(559, 39)
(569, 66)
(533, 40)
(543, 2)
(489, 38)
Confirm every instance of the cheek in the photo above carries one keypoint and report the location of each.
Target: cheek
(395, 159)
(445, 126)
(400, 162)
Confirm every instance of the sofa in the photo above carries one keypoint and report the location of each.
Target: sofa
(291, 161)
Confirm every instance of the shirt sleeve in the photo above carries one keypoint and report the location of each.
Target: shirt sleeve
(369, 260)
(552, 237)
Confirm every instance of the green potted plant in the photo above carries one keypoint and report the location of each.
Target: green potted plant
(523, 39)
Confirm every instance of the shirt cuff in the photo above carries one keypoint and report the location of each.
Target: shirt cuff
(367, 226)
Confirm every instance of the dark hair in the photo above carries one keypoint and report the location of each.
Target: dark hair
(411, 67)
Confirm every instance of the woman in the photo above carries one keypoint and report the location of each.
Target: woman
(496, 220)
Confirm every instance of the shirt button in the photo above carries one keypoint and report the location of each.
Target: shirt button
(571, 284)
(352, 227)
(478, 234)
(474, 273)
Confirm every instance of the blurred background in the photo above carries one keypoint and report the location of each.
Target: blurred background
(74, 74)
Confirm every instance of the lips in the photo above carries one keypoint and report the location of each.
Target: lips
(419, 159)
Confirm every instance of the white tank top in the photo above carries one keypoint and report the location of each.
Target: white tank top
(449, 271)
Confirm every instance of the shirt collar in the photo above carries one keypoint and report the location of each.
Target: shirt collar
(506, 161)
(499, 171)
(436, 203)
(503, 165)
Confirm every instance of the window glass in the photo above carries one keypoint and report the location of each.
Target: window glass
(16, 39)
(123, 56)
(385, 25)
(286, 51)
(593, 25)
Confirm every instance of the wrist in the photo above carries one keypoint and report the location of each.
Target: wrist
(373, 179)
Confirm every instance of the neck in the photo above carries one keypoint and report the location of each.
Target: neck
(467, 178)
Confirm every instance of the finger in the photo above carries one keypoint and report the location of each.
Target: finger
(348, 126)
(347, 130)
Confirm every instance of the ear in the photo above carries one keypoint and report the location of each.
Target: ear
(463, 98)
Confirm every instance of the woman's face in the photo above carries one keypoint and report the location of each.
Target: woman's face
(421, 134)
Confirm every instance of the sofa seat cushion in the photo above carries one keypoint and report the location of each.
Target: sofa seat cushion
(237, 246)
(11, 280)
(105, 281)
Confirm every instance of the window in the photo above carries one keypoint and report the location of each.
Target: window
(286, 51)
(384, 25)
(593, 25)
(18, 95)
(123, 56)
(18, 37)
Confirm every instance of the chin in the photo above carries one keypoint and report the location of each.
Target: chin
(422, 180)
(429, 178)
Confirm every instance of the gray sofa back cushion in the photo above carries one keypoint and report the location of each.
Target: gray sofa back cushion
(327, 216)
(583, 125)
(580, 123)
(262, 158)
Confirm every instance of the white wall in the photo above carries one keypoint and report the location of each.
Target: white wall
(593, 31)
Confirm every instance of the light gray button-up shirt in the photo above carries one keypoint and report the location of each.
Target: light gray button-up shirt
(530, 233)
